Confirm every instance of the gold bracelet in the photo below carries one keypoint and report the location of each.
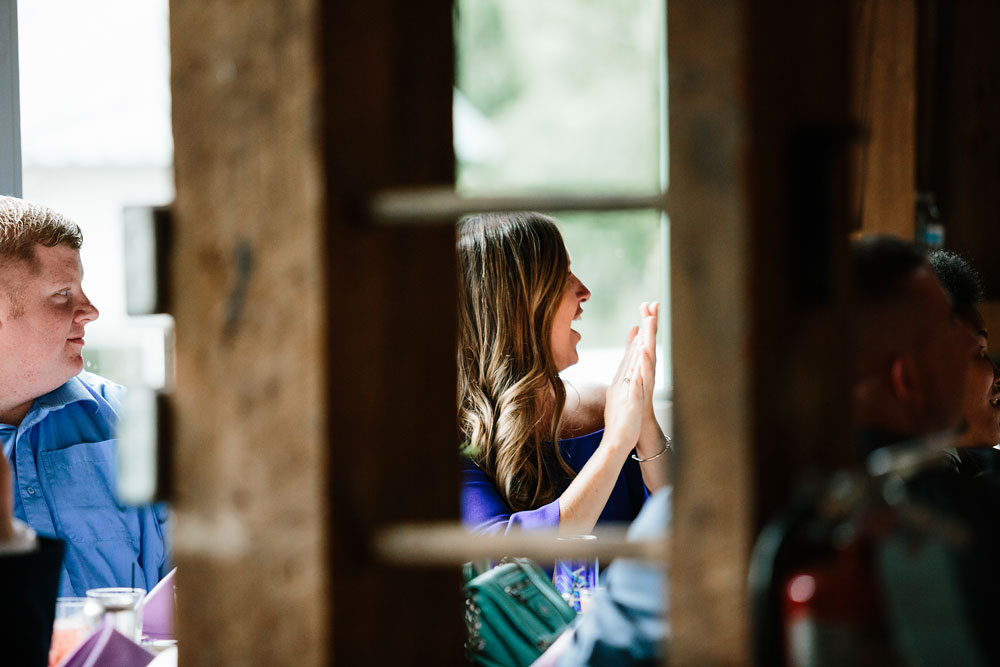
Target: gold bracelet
(658, 454)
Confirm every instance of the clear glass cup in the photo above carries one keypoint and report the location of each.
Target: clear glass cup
(122, 608)
(75, 620)
(572, 576)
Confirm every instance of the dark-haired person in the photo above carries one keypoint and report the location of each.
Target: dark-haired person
(914, 351)
(57, 421)
(538, 456)
(912, 356)
(981, 409)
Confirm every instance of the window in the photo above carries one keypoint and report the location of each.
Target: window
(561, 97)
(95, 138)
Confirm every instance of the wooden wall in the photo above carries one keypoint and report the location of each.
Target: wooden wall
(963, 131)
(959, 113)
(315, 349)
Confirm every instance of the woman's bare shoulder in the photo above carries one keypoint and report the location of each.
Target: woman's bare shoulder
(584, 412)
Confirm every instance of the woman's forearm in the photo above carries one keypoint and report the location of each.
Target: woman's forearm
(584, 499)
(652, 443)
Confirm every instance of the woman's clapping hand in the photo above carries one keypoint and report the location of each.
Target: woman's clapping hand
(648, 313)
(628, 423)
(629, 400)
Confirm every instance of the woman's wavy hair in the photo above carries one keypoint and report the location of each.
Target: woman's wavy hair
(513, 270)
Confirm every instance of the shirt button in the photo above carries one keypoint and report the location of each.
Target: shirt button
(31, 490)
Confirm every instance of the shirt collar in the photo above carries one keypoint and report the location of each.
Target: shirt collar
(73, 391)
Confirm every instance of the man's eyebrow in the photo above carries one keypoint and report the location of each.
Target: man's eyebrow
(63, 277)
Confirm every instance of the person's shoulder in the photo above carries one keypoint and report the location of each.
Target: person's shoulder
(974, 461)
(584, 411)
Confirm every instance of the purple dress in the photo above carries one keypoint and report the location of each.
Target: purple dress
(484, 510)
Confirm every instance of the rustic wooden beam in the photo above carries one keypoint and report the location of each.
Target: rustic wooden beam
(884, 101)
(443, 205)
(251, 394)
(711, 318)
(450, 543)
(387, 77)
(760, 128)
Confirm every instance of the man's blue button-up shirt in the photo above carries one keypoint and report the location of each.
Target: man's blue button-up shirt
(63, 461)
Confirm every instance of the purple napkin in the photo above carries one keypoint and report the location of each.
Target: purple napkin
(158, 609)
(108, 648)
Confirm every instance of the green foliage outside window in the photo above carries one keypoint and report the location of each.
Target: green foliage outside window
(564, 96)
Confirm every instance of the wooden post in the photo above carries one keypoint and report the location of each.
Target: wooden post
(709, 265)
(387, 80)
(315, 352)
(249, 274)
(759, 135)
(885, 106)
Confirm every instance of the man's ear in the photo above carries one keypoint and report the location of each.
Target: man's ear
(904, 380)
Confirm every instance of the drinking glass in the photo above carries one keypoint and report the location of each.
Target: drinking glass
(122, 608)
(74, 623)
(573, 575)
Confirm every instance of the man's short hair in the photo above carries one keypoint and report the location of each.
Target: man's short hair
(881, 323)
(959, 279)
(24, 224)
(879, 265)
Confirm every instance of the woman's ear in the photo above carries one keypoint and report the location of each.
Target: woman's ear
(904, 380)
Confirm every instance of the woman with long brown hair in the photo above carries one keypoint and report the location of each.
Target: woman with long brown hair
(534, 456)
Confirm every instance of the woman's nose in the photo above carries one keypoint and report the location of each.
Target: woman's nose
(581, 291)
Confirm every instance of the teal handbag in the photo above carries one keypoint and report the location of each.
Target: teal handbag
(512, 614)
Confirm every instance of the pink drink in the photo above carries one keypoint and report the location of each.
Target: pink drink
(73, 625)
(66, 635)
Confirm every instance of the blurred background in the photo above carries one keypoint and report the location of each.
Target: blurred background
(96, 138)
(564, 97)
(560, 97)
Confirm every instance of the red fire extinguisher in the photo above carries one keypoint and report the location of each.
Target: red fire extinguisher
(833, 612)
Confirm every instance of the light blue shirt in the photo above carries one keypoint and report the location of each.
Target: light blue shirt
(628, 621)
(63, 462)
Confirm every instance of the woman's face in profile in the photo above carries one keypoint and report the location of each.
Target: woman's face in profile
(564, 338)
(982, 396)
